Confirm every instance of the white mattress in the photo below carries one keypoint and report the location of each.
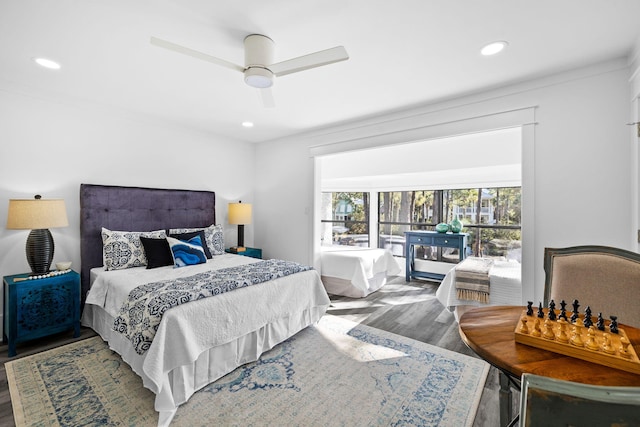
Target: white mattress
(505, 287)
(356, 272)
(198, 342)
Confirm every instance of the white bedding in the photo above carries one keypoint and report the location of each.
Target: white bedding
(198, 342)
(505, 287)
(356, 272)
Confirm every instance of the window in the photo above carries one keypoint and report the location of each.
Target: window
(491, 216)
(345, 219)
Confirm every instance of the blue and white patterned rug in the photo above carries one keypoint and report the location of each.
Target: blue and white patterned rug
(336, 373)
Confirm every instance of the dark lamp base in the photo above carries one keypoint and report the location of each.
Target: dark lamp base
(39, 250)
(241, 235)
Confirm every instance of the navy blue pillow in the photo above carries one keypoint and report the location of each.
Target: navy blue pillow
(157, 251)
(186, 237)
(187, 253)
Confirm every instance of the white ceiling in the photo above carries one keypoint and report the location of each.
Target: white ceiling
(403, 53)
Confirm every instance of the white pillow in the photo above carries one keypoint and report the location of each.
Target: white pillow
(213, 234)
(123, 249)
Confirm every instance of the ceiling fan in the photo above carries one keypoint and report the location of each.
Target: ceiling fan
(259, 69)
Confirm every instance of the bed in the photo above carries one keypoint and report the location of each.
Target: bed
(196, 342)
(505, 286)
(356, 272)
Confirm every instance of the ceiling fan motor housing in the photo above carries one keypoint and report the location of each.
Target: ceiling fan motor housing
(258, 56)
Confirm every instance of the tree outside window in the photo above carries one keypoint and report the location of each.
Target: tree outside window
(491, 217)
(345, 219)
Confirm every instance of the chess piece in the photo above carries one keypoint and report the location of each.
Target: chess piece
(540, 312)
(563, 311)
(562, 334)
(591, 340)
(523, 326)
(536, 329)
(576, 337)
(529, 308)
(606, 345)
(625, 348)
(600, 322)
(552, 310)
(588, 322)
(613, 326)
(548, 330)
(574, 316)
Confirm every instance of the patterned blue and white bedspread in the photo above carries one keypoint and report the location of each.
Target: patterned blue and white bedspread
(142, 312)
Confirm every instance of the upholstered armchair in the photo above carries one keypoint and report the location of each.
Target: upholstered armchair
(604, 278)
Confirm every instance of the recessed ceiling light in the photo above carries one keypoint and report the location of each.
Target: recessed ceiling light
(247, 124)
(493, 48)
(47, 63)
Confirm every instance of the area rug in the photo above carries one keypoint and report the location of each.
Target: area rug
(335, 373)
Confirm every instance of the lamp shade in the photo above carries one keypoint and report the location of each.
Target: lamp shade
(240, 213)
(34, 214)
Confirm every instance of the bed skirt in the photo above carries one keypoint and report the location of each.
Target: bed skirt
(337, 286)
(182, 382)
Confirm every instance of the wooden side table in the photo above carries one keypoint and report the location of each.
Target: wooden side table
(39, 307)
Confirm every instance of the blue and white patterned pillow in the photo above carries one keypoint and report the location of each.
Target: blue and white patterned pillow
(123, 249)
(214, 236)
(187, 253)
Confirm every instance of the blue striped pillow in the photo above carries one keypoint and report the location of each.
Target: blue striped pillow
(187, 253)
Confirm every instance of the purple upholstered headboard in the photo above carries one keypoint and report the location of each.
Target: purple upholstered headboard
(135, 209)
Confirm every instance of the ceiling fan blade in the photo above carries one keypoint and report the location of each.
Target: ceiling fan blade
(267, 98)
(312, 60)
(195, 54)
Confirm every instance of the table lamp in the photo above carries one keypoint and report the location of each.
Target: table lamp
(240, 214)
(37, 215)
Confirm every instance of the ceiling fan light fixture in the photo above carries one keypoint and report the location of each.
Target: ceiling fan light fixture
(258, 77)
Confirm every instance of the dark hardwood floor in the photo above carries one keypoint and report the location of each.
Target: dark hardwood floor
(407, 309)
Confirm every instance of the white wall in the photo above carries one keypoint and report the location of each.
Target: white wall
(634, 131)
(283, 212)
(582, 163)
(51, 147)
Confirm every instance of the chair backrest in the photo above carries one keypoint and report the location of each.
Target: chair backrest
(549, 402)
(604, 278)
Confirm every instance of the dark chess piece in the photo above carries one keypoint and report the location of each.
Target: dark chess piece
(600, 322)
(563, 311)
(576, 306)
(587, 317)
(529, 308)
(552, 310)
(613, 326)
(540, 312)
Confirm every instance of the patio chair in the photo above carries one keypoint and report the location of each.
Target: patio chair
(550, 402)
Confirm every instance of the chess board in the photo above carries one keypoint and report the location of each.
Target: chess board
(576, 340)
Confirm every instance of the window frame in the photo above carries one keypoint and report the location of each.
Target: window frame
(366, 201)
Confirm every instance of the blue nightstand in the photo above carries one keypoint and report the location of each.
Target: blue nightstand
(40, 307)
(250, 252)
